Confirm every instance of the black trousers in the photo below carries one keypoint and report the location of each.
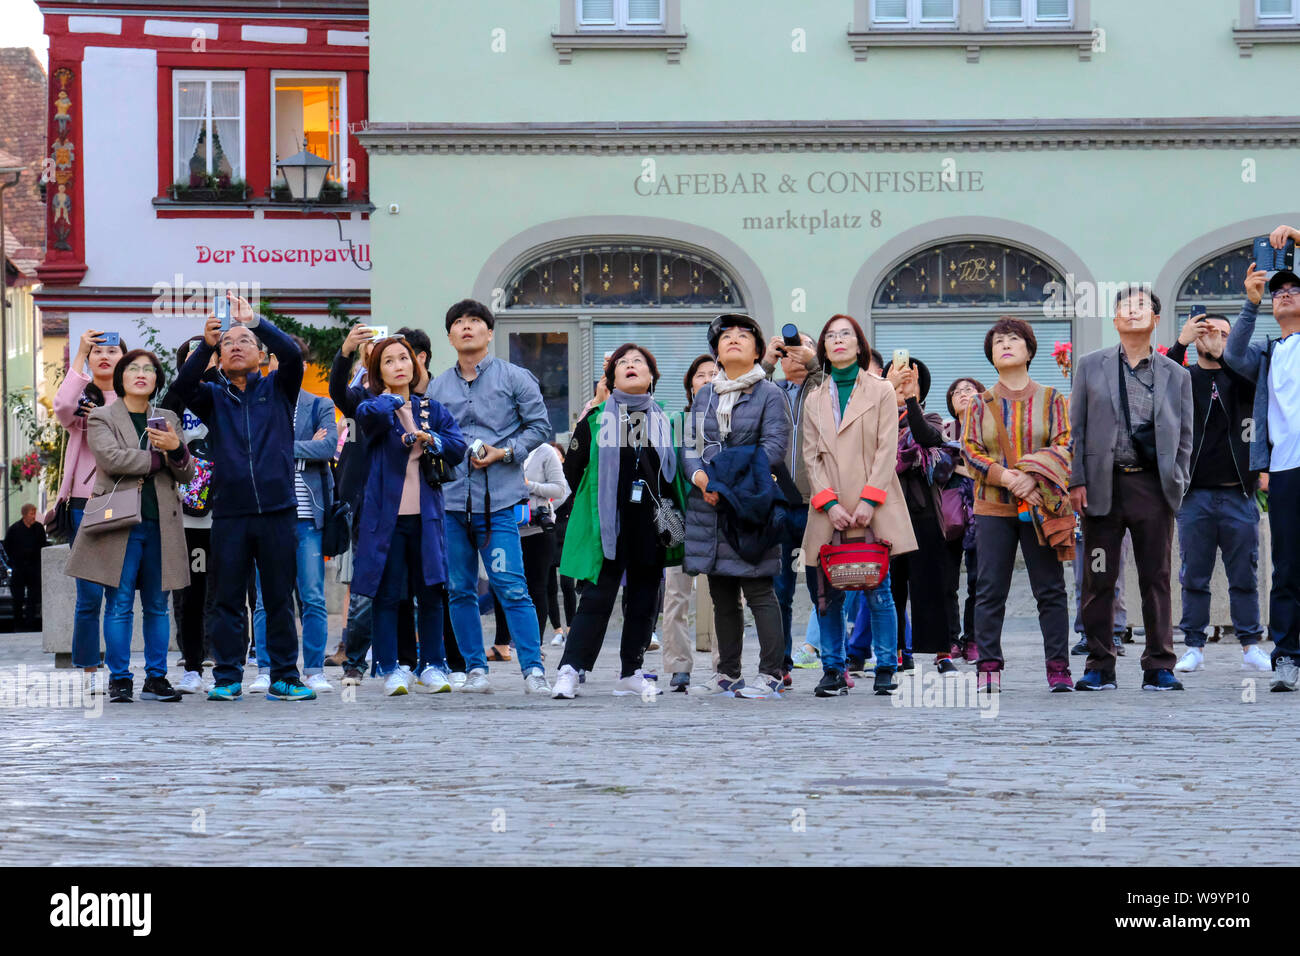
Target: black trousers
(268, 541)
(961, 616)
(926, 577)
(26, 584)
(587, 633)
(729, 623)
(539, 560)
(189, 605)
(998, 539)
(568, 587)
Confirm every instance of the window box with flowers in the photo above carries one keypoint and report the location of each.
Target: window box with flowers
(202, 187)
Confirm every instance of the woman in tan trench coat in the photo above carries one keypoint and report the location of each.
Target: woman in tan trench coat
(850, 447)
(150, 556)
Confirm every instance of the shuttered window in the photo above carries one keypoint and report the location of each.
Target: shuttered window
(914, 13)
(1029, 12)
(620, 14)
(1276, 9)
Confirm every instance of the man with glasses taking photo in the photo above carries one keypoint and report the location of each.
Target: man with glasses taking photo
(1273, 431)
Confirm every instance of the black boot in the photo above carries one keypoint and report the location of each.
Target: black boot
(832, 684)
(884, 682)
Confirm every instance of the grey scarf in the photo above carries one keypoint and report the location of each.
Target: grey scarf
(650, 428)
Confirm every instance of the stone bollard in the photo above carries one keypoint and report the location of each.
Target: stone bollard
(58, 605)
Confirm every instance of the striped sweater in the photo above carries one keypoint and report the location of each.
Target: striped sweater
(1036, 417)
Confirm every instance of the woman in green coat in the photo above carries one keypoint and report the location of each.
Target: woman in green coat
(623, 463)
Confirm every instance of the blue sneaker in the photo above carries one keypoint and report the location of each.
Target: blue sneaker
(226, 692)
(1160, 680)
(290, 689)
(1092, 680)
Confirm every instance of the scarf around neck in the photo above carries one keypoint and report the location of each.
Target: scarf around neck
(651, 428)
(728, 391)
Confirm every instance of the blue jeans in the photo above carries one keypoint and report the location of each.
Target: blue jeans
(141, 570)
(85, 627)
(311, 604)
(1213, 520)
(504, 560)
(884, 623)
(403, 575)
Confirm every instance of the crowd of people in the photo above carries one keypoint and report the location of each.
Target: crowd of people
(230, 486)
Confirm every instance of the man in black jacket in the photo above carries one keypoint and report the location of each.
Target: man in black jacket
(23, 543)
(1219, 512)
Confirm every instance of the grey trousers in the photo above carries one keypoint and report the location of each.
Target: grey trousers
(996, 541)
(729, 623)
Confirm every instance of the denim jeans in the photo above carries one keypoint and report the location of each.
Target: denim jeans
(1213, 520)
(85, 627)
(884, 622)
(403, 576)
(311, 604)
(504, 560)
(141, 570)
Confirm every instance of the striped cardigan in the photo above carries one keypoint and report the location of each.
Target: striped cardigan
(1036, 418)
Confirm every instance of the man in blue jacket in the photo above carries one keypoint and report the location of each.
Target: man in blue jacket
(254, 506)
(1274, 436)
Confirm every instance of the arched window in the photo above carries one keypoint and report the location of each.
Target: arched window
(1219, 283)
(564, 310)
(939, 302)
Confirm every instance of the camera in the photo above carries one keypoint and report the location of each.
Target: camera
(477, 449)
(790, 336)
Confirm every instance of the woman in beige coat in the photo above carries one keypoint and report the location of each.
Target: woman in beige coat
(850, 447)
(151, 557)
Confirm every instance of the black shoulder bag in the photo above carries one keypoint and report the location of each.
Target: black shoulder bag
(1144, 436)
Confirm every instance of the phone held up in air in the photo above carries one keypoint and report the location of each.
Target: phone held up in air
(221, 309)
(1198, 312)
(378, 332)
(1274, 260)
(111, 339)
(902, 358)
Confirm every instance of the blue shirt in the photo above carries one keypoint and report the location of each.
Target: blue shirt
(501, 407)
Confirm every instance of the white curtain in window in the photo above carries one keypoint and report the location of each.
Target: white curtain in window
(891, 9)
(226, 129)
(644, 11)
(1004, 10)
(936, 9)
(1275, 8)
(1053, 9)
(597, 11)
(191, 110)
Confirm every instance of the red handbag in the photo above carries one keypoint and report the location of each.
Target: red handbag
(855, 565)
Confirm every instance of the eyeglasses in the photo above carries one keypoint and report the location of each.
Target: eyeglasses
(965, 389)
(626, 362)
(843, 335)
(1289, 290)
(141, 369)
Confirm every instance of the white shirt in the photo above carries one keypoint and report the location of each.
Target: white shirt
(1284, 404)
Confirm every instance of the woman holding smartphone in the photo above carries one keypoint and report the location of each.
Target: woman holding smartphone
(88, 385)
(400, 549)
(135, 443)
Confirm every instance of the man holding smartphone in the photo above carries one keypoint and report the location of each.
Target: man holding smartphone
(499, 408)
(1274, 434)
(254, 507)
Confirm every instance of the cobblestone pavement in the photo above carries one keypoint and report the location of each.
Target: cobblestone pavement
(1115, 778)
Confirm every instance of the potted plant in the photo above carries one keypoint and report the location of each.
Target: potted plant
(202, 187)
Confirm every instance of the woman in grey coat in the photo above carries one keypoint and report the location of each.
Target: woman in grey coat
(131, 451)
(738, 408)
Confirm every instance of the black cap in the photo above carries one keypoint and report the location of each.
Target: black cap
(734, 320)
(1282, 275)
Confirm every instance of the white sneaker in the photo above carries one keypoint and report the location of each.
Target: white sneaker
(191, 683)
(719, 685)
(318, 683)
(433, 681)
(761, 687)
(1191, 661)
(1254, 659)
(92, 683)
(261, 685)
(566, 684)
(558, 639)
(535, 682)
(396, 684)
(638, 684)
(476, 682)
(456, 679)
(654, 642)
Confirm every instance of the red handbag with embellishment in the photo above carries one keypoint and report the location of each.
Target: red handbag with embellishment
(854, 565)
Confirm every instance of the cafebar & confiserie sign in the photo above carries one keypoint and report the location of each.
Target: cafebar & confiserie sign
(946, 179)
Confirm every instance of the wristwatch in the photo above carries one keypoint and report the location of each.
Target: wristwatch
(509, 455)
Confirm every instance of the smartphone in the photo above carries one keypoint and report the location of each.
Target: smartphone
(221, 309)
(378, 332)
(111, 338)
(1199, 310)
(1273, 260)
(902, 359)
(159, 423)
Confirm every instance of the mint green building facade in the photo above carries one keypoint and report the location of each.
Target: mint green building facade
(924, 175)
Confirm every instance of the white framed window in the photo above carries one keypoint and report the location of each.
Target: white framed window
(620, 15)
(1029, 13)
(1270, 12)
(913, 13)
(208, 125)
(309, 111)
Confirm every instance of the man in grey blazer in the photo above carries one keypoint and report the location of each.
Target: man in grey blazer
(1131, 419)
